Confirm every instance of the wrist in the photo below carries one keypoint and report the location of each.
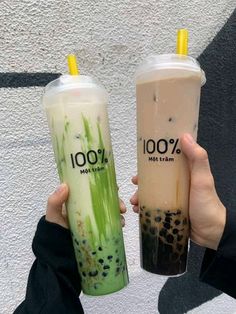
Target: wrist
(213, 233)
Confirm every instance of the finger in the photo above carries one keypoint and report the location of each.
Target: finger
(134, 199)
(135, 180)
(136, 209)
(64, 214)
(201, 176)
(55, 203)
(122, 218)
(64, 211)
(123, 208)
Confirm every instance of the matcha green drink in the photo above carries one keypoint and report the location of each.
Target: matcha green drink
(77, 116)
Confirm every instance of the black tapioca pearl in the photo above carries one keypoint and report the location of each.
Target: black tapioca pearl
(169, 238)
(72, 234)
(179, 237)
(170, 119)
(80, 264)
(158, 219)
(148, 221)
(106, 267)
(101, 261)
(178, 212)
(145, 227)
(93, 273)
(109, 257)
(175, 231)
(163, 232)
(167, 219)
(153, 230)
(185, 221)
(116, 251)
(84, 274)
(100, 249)
(168, 214)
(104, 274)
(140, 215)
(117, 269)
(123, 268)
(117, 260)
(177, 222)
(166, 225)
(93, 253)
(147, 214)
(179, 246)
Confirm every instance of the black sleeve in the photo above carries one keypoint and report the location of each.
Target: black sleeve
(219, 267)
(54, 284)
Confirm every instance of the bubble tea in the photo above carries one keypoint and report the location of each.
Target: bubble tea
(76, 107)
(168, 94)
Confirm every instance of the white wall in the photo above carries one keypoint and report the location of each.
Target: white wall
(110, 37)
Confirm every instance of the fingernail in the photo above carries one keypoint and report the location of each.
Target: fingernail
(60, 188)
(123, 207)
(135, 208)
(189, 138)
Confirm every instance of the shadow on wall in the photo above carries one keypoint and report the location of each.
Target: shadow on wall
(217, 134)
(181, 294)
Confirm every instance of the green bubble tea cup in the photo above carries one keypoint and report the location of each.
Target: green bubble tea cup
(76, 108)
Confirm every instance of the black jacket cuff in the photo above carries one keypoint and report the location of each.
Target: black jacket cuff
(52, 245)
(218, 267)
(52, 240)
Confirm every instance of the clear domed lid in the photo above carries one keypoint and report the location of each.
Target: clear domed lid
(65, 82)
(169, 62)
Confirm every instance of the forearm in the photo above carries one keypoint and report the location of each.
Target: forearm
(54, 282)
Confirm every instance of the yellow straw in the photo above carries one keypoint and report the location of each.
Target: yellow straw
(72, 64)
(182, 42)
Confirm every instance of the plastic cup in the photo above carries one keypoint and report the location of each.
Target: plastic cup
(76, 108)
(168, 94)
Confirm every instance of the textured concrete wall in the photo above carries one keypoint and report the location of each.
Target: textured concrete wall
(110, 38)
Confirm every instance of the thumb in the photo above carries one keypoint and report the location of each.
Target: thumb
(197, 157)
(55, 203)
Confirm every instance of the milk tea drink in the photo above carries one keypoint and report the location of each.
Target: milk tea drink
(168, 94)
(76, 108)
